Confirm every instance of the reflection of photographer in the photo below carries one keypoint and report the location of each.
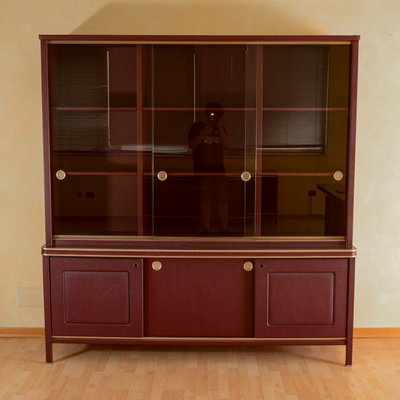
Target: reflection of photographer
(208, 139)
(209, 131)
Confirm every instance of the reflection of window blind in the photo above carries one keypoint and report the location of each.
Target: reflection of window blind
(295, 78)
(80, 130)
(80, 76)
(79, 118)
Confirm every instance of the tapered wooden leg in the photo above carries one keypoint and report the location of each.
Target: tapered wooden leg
(349, 352)
(49, 350)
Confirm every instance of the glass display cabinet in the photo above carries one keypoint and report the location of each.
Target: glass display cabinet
(199, 189)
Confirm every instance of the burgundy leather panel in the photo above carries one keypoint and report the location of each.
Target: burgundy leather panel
(96, 296)
(199, 298)
(301, 298)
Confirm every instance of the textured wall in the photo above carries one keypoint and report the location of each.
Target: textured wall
(377, 216)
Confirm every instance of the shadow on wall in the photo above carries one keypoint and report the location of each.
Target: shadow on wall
(194, 17)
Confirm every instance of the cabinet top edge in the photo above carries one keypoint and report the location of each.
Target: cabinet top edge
(198, 38)
(214, 254)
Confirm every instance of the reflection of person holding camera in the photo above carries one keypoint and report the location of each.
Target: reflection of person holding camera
(208, 139)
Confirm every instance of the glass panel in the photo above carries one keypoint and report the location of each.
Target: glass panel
(303, 206)
(95, 205)
(304, 141)
(301, 85)
(198, 117)
(93, 133)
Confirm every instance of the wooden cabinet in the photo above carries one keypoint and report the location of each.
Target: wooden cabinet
(188, 189)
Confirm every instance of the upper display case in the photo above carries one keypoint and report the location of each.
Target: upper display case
(200, 137)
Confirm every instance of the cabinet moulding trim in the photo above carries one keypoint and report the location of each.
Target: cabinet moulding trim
(358, 333)
(197, 339)
(216, 239)
(199, 257)
(165, 253)
(205, 42)
(198, 39)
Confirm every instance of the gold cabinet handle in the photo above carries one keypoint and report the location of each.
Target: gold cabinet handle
(245, 176)
(61, 175)
(156, 265)
(248, 266)
(162, 176)
(338, 176)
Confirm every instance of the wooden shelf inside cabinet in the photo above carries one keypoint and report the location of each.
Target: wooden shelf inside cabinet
(101, 173)
(94, 109)
(197, 109)
(305, 109)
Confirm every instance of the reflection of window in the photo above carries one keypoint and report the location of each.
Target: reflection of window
(295, 98)
(295, 131)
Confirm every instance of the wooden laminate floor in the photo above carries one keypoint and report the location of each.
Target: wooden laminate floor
(165, 373)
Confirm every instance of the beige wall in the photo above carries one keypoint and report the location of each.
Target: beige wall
(377, 216)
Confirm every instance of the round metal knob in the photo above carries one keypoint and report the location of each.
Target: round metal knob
(248, 266)
(338, 176)
(162, 176)
(245, 176)
(61, 175)
(156, 265)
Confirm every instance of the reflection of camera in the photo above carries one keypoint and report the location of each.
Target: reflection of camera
(214, 113)
(213, 118)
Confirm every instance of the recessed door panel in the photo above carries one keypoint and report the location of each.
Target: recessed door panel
(300, 298)
(96, 297)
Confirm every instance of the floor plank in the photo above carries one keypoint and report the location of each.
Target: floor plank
(194, 373)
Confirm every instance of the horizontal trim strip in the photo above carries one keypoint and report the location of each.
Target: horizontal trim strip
(358, 333)
(252, 239)
(198, 339)
(211, 42)
(136, 255)
(213, 39)
(195, 253)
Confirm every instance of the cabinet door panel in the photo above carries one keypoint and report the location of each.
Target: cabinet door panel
(199, 298)
(300, 298)
(101, 297)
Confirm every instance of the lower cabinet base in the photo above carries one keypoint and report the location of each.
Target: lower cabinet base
(199, 301)
(226, 342)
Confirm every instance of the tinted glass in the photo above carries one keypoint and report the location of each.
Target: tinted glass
(195, 175)
(304, 141)
(93, 134)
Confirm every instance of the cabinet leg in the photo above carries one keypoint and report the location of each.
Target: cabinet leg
(49, 350)
(349, 353)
